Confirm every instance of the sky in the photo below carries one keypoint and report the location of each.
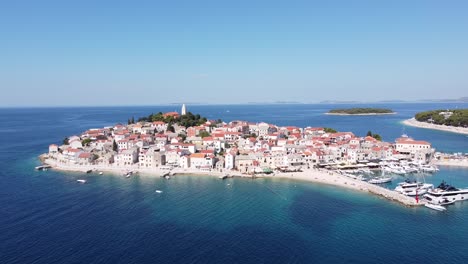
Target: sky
(99, 53)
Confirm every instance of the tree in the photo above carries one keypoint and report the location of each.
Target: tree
(329, 130)
(204, 134)
(369, 133)
(170, 128)
(114, 146)
(183, 136)
(377, 136)
(133, 120)
(86, 141)
(66, 141)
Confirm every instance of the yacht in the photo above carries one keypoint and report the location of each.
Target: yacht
(413, 188)
(445, 193)
(380, 180)
(435, 207)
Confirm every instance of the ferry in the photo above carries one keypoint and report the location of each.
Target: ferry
(445, 193)
(380, 180)
(413, 188)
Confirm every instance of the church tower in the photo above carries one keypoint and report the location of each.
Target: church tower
(184, 110)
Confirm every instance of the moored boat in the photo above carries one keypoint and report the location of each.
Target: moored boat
(435, 207)
(445, 193)
(380, 180)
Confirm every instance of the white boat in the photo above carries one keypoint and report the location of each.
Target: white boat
(435, 207)
(428, 168)
(81, 181)
(413, 188)
(380, 180)
(445, 193)
(100, 173)
(158, 191)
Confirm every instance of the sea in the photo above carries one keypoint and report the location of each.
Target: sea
(47, 217)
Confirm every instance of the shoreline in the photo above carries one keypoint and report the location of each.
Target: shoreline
(366, 114)
(414, 123)
(309, 175)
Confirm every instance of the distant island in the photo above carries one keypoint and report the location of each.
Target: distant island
(360, 111)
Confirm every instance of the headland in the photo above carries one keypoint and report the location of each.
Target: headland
(415, 123)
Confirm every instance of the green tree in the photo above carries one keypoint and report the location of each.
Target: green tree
(329, 130)
(377, 136)
(369, 133)
(170, 128)
(86, 141)
(204, 134)
(114, 146)
(183, 136)
(66, 141)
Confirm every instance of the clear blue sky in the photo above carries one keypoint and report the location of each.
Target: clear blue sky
(155, 52)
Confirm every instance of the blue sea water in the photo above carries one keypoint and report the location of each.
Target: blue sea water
(46, 217)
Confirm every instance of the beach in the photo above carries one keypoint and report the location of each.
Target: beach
(319, 176)
(413, 122)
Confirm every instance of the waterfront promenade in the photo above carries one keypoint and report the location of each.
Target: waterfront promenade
(319, 176)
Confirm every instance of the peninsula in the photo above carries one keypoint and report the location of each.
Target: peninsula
(455, 121)
(360, 111)
(171, 143)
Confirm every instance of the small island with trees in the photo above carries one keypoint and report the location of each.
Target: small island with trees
(360, 111)
(455, 120)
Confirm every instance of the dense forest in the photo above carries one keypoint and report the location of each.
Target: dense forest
(357, 111)
(456, 118)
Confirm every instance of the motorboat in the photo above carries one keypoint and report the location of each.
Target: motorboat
(445, 193)
(158, 191)
(100, 173)
(81, 181)
(428, 168)
(380, 180)
(413, 188)
(435, 207)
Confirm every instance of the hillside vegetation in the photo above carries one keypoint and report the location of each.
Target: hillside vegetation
(357, 111)
(456, 118)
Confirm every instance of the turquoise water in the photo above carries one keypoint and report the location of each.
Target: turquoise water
(46, 217)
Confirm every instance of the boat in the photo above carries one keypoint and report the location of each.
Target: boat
(428, 168)
(445, 193)
(100, 173)
(81, 181)
(380, 180)
(413, 188)
(435, 207)
(158, 191)
(167, 177)
(89, 171)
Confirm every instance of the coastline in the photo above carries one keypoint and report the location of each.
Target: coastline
(414, 123)
(367, 114)
(310, 175)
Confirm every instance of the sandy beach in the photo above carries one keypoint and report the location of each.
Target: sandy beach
(413, 122)
(310, 175)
